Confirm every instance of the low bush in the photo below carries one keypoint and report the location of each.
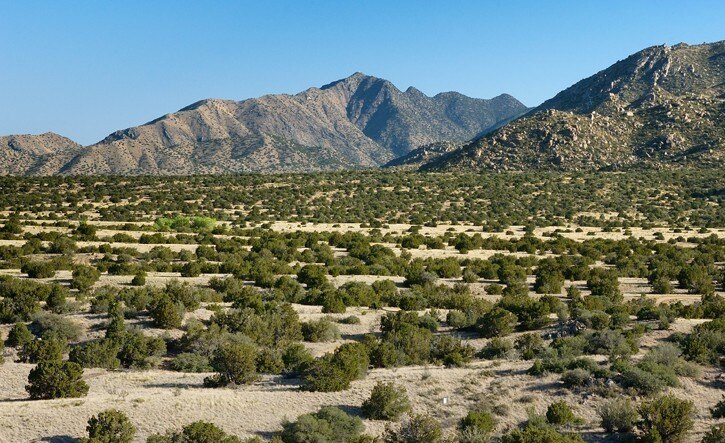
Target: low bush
(529, 345)
(497, 322)
(719, 410)
(39, 269)
(415, 429)
(190, 362)
(84, 277)
(139, 351)
(167, 314)
(49, 348)
(618, 415)
(387, 402)
(716, 434)
(321, 330)
(196, 432)
(577, 377)
(19, 336)
(334, 372)
(539, 434)
(47, 322)
(110, 426)
(329, 424)
(101, 353)
(560, 413)
(667, 419)
(235, 363)
(497, 348)
(481, 421)
(56, 379)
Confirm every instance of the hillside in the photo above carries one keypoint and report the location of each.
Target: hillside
(24, 153)
(357, 122)
(661, 107)
(422, 155)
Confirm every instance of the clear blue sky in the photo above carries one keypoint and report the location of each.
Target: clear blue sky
(86, 68)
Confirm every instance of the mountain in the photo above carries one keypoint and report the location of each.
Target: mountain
(660, 107)
(21, 154)
(357, 122)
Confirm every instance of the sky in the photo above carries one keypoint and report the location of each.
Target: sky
(84, 69)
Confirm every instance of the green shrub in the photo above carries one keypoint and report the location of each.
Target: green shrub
(321, 330)
(235, 363)
(324, 375)
(716, 434)
(110, 426)
(296, 358)
(529, 345)
(494, 289)
(719, 410)
(539, 434)
(577, 377)
(167, 314)
(350, 320)
(190, 362)
(450, 351)
(457, 319)
(418, 428)
(560, 413)
(706, 343)
(101, 353)
(618, 415)
(666, 419)
(269, 361)
(39, 269)
(84, 277)
(139, 279)
(47, 322)
(387, 402)
(329, 424)
(56, 301)
(50, 348)
(191, 269)
(645, 383)
(353, 359)
(19, 336)
(482, 421)
(497, 348)
(332, 304)
(313, 276)
(56, 379)
(138, 351)
(497, 322)
(196, 432)
(334, 372)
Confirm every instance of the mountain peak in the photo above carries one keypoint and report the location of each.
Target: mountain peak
(353, 80)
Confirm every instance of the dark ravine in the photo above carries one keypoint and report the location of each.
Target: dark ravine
(357, 122)
(660, 107)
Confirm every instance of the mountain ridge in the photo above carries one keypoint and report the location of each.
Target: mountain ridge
(663, 106)
(360, 121)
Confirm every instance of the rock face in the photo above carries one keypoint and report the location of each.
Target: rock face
(360, 121)
(21, 154)
(662, 107)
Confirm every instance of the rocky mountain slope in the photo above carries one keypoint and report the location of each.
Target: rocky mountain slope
(662, 106)
(423, 154)
(359, 121)
(21, 154)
